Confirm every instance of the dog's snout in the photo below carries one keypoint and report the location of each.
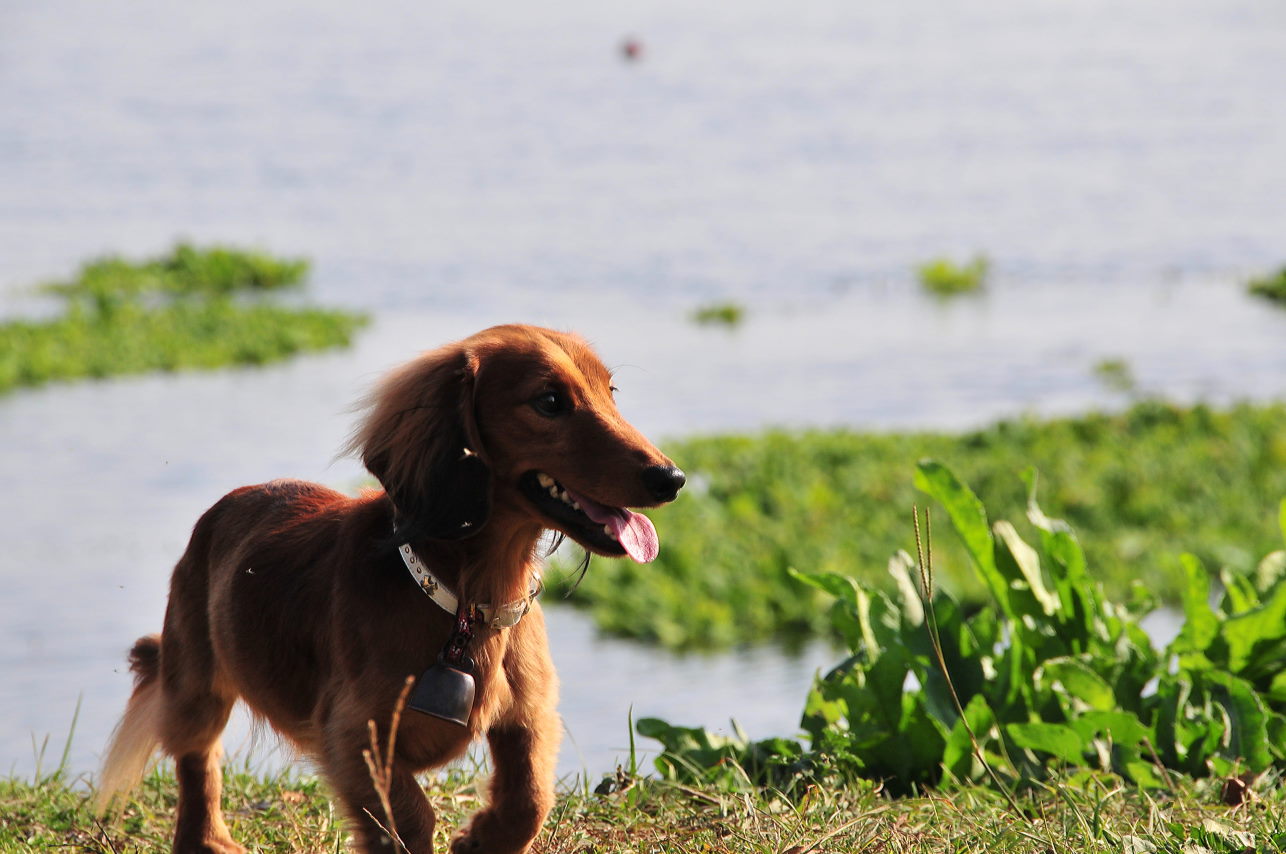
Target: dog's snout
(664, 482)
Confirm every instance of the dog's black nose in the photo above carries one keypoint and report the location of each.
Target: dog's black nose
(664, 482)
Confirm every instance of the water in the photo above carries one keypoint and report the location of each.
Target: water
(451, 165)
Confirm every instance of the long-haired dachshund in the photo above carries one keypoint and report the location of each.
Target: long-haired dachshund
(310, 605)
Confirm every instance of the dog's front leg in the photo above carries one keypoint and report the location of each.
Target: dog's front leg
(522, 787)
(412, 819)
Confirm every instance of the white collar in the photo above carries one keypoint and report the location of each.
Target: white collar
(495, 616)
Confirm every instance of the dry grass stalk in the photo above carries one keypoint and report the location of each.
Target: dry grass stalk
(924, 556)
(381, 766)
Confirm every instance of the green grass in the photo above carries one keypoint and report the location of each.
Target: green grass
(943, 277)
(192, 308)
(1084, 813)
(1140, 487)
(1270, 287)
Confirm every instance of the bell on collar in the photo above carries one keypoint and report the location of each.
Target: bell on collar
(445, 691)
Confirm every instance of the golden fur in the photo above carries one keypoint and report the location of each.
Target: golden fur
(292, 597)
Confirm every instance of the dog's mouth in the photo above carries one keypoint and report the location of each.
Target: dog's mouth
(612, 531)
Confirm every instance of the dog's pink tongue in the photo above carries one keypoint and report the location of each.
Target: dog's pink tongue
(634, 531)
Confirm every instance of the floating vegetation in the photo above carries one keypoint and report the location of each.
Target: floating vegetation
(729, 314)
(189, 308)
(1116, 375)
(944, 278)
(1142, 486)
(1270, 287)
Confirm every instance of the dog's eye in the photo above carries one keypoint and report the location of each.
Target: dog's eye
(550, 403)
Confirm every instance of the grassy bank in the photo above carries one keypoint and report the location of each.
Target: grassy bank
(1067, 816)
(190, 308)
(1140, 487)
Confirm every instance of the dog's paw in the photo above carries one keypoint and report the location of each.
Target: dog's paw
(466, 842)
(211, 846)
(485, 835)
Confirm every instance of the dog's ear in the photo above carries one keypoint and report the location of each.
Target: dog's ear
(421, 441)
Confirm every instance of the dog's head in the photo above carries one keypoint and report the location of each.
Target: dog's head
(521, 420)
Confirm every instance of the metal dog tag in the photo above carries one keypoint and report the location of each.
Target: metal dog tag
(445, 690)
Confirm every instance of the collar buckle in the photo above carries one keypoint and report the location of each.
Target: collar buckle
(493, 616)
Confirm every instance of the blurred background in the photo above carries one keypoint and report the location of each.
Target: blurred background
(612, 167)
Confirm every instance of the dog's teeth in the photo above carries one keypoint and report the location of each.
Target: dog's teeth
(544, 480)
(553, 491)
(607, 530)
(575, 505)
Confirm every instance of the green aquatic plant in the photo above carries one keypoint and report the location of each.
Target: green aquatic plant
(1271, 286)
(729, 314)
(1049, 673)
(1141, 486)
(1116, 375)
(943, 277)
(184, 270)
(189, 308)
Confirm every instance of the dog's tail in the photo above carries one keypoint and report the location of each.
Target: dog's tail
(138, 734)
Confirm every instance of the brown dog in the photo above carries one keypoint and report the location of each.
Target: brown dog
(295, 599)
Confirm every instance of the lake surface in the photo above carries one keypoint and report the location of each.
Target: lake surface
(447, 166)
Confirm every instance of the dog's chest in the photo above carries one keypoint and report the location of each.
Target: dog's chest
(425, 740)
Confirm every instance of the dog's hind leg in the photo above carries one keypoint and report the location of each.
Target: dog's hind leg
(196, 703)
(193, 719)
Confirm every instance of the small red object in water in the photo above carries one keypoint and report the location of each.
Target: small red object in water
(631, 49)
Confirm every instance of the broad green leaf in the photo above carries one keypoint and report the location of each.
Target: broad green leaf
(957, 754)
(1270, 570)
(1029, 565)
(1034, 513)
(885, 680)
(1277, 735)
(964, 657)
(1281, 518)
(1189, 726)
(1059, 740)
(847, 613)
(969, 518)
(1144, 774)
(921, 740)
(842, 587)
(1077, 594)
(1200, 624)
(1250, 634)
(1248, 736)
(1239, 594)
(1080, 684)
(1122, 728)
(822, 709)
(903, 569)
